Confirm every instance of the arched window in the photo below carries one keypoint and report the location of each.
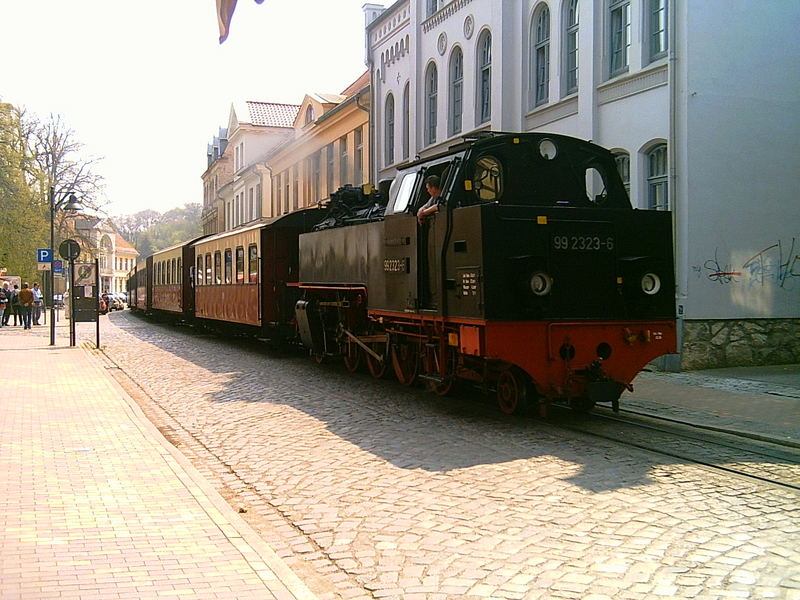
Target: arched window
(309, 114)
(484, 78)
(541, 55)
(456, 90)
(431, 103)
(406, 121)
(388, 153)
(571, 47)
(657, 196)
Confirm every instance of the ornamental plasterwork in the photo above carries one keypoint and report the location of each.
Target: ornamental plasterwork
(392, 24)
(443, 14)
(469, 26)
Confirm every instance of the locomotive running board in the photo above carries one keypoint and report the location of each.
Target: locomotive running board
(370, 338)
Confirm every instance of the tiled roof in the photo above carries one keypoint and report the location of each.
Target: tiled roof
(358, 85)
(270, 114)
(122, 244)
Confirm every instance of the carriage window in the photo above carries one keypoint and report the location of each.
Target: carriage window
(178, 271)
(596, 186)
(209, 280)
(217, 267)
(199, 274)
(404, 192)
(239, 265)
(252, 263)
(228, 266)
(488, 179)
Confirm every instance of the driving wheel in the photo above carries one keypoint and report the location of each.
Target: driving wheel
(405, 362)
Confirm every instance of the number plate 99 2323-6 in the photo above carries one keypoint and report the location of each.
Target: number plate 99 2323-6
(582, 243)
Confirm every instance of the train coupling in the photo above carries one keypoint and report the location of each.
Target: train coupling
(601, 387)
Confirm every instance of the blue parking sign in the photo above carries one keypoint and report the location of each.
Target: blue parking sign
(44, 255)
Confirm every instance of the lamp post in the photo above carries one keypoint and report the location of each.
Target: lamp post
(71, 205)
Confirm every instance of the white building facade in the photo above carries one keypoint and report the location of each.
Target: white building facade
(698, 100)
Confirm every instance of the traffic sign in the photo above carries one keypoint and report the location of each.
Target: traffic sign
(58, 266)
(44, 255)
(69, 249)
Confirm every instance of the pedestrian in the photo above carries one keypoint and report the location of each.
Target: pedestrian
(37, 302)
(3, 303)
(15, 305)
(7, 313)
(25, 297)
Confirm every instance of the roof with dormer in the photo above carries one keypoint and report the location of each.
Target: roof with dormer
(266, 114)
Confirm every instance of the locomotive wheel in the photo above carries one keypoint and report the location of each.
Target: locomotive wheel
(352, 356)
(376, 368)
(513, 391)
(405, 361)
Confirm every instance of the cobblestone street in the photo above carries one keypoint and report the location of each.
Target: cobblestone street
(368, 489)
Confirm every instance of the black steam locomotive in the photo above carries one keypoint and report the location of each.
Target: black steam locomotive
(535, 278)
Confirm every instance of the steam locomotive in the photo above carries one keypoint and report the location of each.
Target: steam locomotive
(536, 279)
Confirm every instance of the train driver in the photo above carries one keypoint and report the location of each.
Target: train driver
(434, 187)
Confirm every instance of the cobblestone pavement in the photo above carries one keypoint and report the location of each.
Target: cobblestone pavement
(371, 490)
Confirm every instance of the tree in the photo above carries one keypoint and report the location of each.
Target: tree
(22, 221)
(149, 231)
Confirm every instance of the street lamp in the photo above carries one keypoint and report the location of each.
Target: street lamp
(69, 204)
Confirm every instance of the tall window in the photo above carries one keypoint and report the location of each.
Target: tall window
(344, 166)
(209, 280)
(316, 165)
(431, 7)
(657, 28)
(217, 267)
(456, 90)
(571, 47)
(619, 36)
(309, 114)
(329, 173)
(358, 156)
(485, 78)
(657, 197)
(228, 266)
(541, 60)
(623, 161)
(252, 263)
(388, 151)
(240, 264)
(431, 85)
(198, 276)
(406, 121)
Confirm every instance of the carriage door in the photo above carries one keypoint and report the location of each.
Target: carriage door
(400, 243)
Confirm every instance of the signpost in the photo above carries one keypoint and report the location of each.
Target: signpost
(70, 250)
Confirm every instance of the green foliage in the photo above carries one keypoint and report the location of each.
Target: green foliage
(24, 223)
(149, 231)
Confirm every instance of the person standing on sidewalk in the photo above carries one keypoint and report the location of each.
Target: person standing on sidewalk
(7, 313)
(37, 302)
(25, 297)
(3, 303)
(14, 305)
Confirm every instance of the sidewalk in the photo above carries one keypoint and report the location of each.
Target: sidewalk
(96, 504)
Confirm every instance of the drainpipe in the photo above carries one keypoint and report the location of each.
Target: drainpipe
(679, 203)
(373, 173)
(271, 206)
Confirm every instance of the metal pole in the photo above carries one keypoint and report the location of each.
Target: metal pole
(51, 278)
(97, 302)
(71, 302)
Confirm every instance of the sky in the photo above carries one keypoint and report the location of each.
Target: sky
(145, 84)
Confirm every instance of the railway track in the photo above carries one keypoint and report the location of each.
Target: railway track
(735, 453)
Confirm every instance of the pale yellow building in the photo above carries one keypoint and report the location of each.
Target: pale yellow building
(330, 148)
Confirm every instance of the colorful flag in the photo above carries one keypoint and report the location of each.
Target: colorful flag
(225, 10)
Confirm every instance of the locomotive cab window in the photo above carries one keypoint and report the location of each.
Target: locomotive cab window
(596, 189)
(487, 179)
(404, 186)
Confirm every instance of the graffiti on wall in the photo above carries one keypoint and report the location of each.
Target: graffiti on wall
(776, 265)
